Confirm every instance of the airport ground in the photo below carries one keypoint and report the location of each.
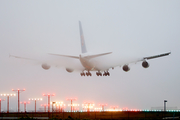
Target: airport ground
(123, 115)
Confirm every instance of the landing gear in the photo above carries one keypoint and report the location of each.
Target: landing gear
(82, 74)
(86, 74)
(106, 73)
(98, 73)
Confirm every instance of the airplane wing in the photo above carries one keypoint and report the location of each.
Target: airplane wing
(21, 57)
(156, 56)
(150, 57)
(46, 62)
(145, 64)
(131, 61)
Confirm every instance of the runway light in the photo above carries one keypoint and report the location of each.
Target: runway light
(114, 107)
(35, 99)
(71, 99)
(49, 95)
(97, 109)
(8, 95)
(18, 97)
(25, 102)
(103, 106)
(88, 106)
(44, 107)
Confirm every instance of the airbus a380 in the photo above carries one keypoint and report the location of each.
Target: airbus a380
(90, 65)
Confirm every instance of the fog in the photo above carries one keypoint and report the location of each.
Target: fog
(128, 29)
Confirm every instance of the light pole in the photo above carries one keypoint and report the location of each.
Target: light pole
(165, 101)
(0, 103)
(53, 104)
(44, 107)
(25, 105)
(114, 107)
(8, 99)
(71, 99)
(103, 106)
(73, 106)
(60, 105)
(18, 90)
(88, 106)
(35, 99)
(49, 95)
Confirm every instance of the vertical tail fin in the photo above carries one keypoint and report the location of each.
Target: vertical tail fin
(83, 45)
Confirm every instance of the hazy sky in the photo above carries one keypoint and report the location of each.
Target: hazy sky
(126, 28)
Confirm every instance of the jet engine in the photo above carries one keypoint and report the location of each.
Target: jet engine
(145, 64)
(69, 70)
(126, 68)
(45, 66)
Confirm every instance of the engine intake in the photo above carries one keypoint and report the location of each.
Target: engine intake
(126, 68)
(45, 66)
(145, 64)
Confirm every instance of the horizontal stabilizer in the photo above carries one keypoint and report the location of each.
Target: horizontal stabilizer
(97, 55)
(65, 55)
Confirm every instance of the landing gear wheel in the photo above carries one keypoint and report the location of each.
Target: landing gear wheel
(88, 73)
(106, 73)
(98, 73)
(82, 74)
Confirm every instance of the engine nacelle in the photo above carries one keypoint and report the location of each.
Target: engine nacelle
(126, 68)
(145, 64)
(69, 70)
(45, 66)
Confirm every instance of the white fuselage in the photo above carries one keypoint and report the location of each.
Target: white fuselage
(87, 63)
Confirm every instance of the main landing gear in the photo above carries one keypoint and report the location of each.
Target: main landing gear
(106, 73)
(98, 73)
(87, 74)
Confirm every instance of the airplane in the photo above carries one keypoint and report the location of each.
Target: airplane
(89, 65)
